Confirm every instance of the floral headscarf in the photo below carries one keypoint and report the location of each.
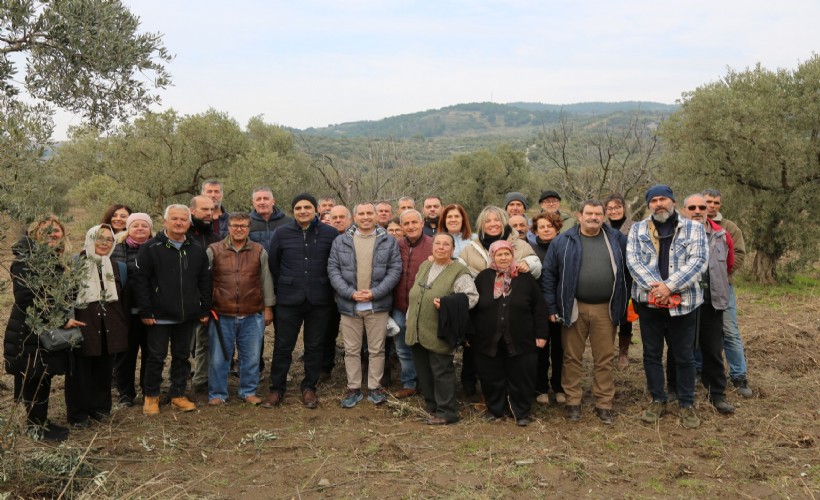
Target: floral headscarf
(99, 285)
(503, 279)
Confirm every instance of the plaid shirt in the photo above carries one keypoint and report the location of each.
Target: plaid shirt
(688, 259)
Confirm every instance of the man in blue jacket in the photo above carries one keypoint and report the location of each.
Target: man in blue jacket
(585, 284)
(265, 217)
(298, 262)
(364, 267)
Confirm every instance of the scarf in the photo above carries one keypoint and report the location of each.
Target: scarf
(503, 278)
(487, 240)
(99, 285)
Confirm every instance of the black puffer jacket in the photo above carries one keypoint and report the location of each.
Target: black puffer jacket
(172, 284)
(21, 346)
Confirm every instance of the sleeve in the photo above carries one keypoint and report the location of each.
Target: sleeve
(334, 271)
(696, 260)
(142, 282)
(393, 273)
(268, 296)
(465, 284)
(205, 284)
(540, 316)
(549, 279)
(641, 274)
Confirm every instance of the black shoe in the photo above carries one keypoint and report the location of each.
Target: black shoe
(80, 424)
(523, 422)
(126, 401)
(49, 432)
(100, 417)
(489, 417)
(573, 413)
(723, 407)
(604, 415)
(742, 387)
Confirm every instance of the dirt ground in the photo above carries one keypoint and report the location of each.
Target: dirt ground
(768, 449)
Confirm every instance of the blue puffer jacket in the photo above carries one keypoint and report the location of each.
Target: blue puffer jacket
(562, 266)
(341, 269)
(298, 263)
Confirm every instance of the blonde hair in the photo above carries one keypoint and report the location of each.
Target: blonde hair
(36, 233)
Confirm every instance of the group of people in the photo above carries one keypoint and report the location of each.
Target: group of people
(521, 296)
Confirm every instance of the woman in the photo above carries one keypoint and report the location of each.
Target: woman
(116, 216)
(139, 229)
(432, 355)
(454, 220)
(615, 207)
(492, 226)
(545, 227)
(510, 323)
(38, 257)
(105, 331)
(394, 228)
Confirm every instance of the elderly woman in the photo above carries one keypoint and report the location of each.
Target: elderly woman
(616, 217)
(510, 323)
(105, 330)
(492, 226)
(545, 227)
(38, 256)
(139, 229)
(443, 286)
(116, 216)
(454, 220)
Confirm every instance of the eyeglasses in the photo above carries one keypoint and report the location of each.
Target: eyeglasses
(614, 207)
(236, 226)
(693, 207)
(102, 239)
(551, 202)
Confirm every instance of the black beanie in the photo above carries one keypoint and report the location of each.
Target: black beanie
(303, 196)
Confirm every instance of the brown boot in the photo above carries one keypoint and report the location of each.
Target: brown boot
(623, 351)
(182, 403)
(150, 406)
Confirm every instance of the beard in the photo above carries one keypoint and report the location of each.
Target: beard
(661, 217)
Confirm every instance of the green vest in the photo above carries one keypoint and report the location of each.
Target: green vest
(422, 315)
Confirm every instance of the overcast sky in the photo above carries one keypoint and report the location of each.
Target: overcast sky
(311, 63)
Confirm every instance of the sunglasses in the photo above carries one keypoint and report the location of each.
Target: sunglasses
(693, 207)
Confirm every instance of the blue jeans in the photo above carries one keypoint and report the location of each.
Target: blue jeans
(408, 367)
(247, 333)
(732, 345)
(657, 326)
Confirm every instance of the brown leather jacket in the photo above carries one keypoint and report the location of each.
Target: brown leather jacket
(237, 278)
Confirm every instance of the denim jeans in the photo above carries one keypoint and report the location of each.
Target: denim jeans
(289, 319)
(732, 345)
(408, 368)
(247, 333)
(658, 325)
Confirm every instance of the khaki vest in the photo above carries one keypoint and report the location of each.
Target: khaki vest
(422, 315)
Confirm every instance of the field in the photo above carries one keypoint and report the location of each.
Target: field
(769, 448)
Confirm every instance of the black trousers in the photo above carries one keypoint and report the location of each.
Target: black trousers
(437, 380)
(33, 392)
(508, 383)
(289, 319)
(552, 354)
(468, 369)
(710, 343)
(159, 336)
(329, 342)
(125, 363)
(88, 388)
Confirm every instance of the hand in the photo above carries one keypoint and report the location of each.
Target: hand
(437, 303)
(204, 320)
(268, 315)
(73, 323)
(660, 291)
(523, 267)
(554, 318)
(148, 321)
(541, 343)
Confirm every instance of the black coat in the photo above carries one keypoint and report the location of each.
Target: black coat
(112, 315)
(172, 284)
(520, 318)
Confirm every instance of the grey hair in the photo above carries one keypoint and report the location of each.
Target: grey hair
(210, 182)
(407, 198)
(176, 206)
(262, 188)
(714, 193)
(410, 211)
(686, 200)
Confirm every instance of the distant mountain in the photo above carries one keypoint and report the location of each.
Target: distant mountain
(485, 118)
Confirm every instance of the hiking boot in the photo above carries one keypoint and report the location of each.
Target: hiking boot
(742, 387)
(654, 413)
(352, 398)
(151, 405)
(376, 396)
(604, 415)
(573, 413)
(722, 406)
(688, 418)
(183, 404)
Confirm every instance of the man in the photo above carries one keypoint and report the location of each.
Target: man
(326, 203)
(212, 188)
(415, 247)
(550, 202)
(519, 223)
(341, 220)
(666, 255)
(384, 212)
(265, 216)
(364, 267)
(201, 233)
(732, 343)
(431, 210)
(585, 286)
(172, 290)
(298, 263)
(515, 203)
(715, 285)
(243, 299)
(406, 203)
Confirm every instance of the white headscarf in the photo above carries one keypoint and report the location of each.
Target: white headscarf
(99, 266)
